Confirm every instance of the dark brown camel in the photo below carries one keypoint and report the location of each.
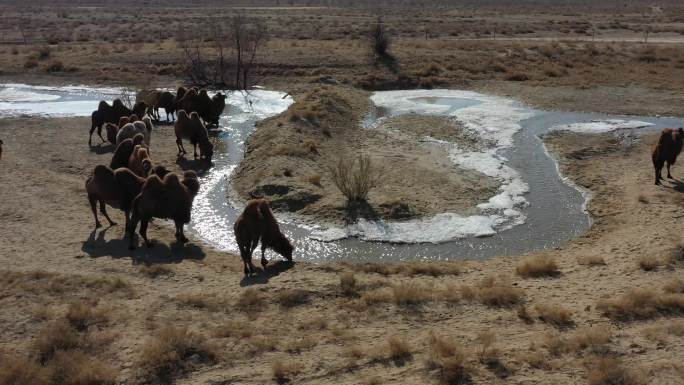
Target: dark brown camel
(666, 151)
(258, 223)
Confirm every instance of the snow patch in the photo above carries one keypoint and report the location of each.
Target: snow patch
(601, 126)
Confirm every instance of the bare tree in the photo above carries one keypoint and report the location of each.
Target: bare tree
(192, 55)
(247, 36)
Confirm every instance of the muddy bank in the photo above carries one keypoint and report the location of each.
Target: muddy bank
(288, 160)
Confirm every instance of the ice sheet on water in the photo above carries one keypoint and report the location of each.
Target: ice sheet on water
(601, 126)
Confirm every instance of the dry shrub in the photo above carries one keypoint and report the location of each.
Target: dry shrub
(284, 372)
(301, 150)
(81, 315)
(173, 352)
(348, 284)
(591, 261)
(676, 254)
(538, 267)
(21, 371)
(292, 297)
(398, 349)
(555, 315)
(355, 177)
(58, 336)
(611, 371)
(517, 77)
(556, 343)
(648, 263)
(486, 340)
(450, 360)
(536, 359)
(642, 304)
(154, 271)
(77, 368)
(496, 292)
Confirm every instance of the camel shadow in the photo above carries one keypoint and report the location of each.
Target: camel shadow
(102, 148)
(272, 270)
(197, 165)
(677, 185)
(96, 246)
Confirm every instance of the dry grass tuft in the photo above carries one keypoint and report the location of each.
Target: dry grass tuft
(648, 263)
(77, 368)
(537, 267)
(555, 315)
(524, 315)
(642, 304)
(233, 328)
(450, 360)
(399, 349)
(21, 371)
(675, 286)
(200, 301)
(251, 301)
(591, 261)
(155, 271)
(348, 284)
(58, 336)
(495, 292)
(292, 297)
(260, 343)
(81, 315)
(433, 269)
(173, 352)
(411, 294)
(594, 339)
(284, 372)
(611, 371)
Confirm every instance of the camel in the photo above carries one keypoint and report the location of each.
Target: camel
(666, 151)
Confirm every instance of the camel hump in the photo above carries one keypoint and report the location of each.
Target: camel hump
(138, 139)
(153, 186)
(102, 106)
(182, 115)
(102, 172)
(127, 178)
(171, 180)
(264, 210)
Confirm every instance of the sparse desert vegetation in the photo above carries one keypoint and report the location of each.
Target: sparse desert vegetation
(604, 308)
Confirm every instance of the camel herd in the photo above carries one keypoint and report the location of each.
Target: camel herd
(132, 183)
(143, 191)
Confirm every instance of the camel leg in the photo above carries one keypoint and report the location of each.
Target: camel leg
(127, 217)
(658, 168)
(103, 210)
(668, 171)
(99, 133)
(180, 237)
(131, 231)
(143, 232)
(264, 261)
(194, 145)
(93, 203)
(244, 254)
(181, 149)
(90, 139)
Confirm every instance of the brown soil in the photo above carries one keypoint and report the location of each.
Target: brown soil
(325, 332)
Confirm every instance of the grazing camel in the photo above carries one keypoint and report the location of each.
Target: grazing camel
(166, 198)
(258, 223)
(666, 151)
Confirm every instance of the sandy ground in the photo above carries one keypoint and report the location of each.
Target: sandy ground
(298, 317)
(289, 160)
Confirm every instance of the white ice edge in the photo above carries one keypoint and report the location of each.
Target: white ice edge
(495, 120)
(601, 125)
(586, 193)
